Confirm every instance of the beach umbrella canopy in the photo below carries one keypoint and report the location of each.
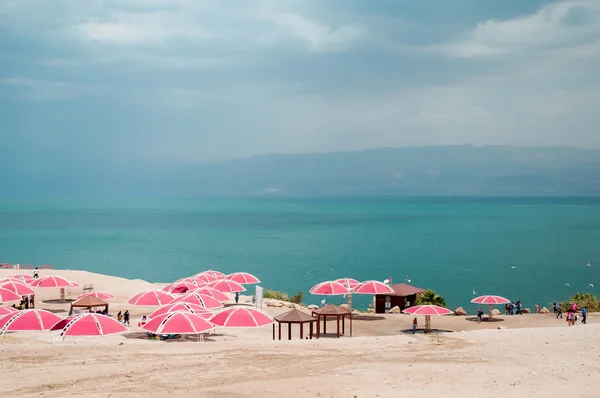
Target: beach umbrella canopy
(213, 273)
(28, 320)
(198, 299)
(373, 288)
(243, 278)
(192, 280)
(8, 295)
(490, 300)
(241, 317)
(180, 287)
(17, 287)
(329, 288)
(428, 310)
(89, 325)
(5, 310)
(214, 293)
(226, 286)
(178, 323)
(151, 297)
(98, 295)
(204, 278)
(51, 281)
(182, 307)
(348, 282)
(22, 278)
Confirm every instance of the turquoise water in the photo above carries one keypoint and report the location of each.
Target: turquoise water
(450, 244)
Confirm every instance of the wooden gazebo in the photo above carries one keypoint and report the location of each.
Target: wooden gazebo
(88, 302)
(331, 311)
(294, 316)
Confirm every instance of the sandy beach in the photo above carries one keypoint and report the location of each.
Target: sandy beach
(532, 355)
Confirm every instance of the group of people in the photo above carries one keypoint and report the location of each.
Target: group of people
(572, 315)
(26, 302)
(511, 307)
(123, 317)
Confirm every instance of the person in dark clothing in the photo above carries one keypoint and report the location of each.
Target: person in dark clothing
(237, 297)
(126, 317)
(559, 311)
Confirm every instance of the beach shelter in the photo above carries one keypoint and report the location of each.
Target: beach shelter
(88, 325)
(428, 311)
(298, 317)
(243, 278)
(8, 295)
(214, 293)
(88, 302)
(202, 300)
(213, 273)
(182, 307)
(241, 317)
(28, 320)
(98, 295)
(329, 288)
(5, 310)
(180, 287)
(22, 278)
(226, 286)
(17, 287)
(151, 298)
(490, 300)
(332, 311)
(178, 323)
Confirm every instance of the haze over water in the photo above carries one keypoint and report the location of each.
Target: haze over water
(453, 245)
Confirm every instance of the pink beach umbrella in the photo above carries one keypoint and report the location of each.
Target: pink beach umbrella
(150, 298)
(241, 317)
(199, 299)
(28, 320)
(8, 295)
(192, 281)
(180, 287)
(226, 286)
(6, 310)
(243, 278)
(214, 293)
(329, 288)
(26, 279)
(204, 278)
(52, 282)
(373, 288)
(178, 323)
(427, 310)
(98, 295)
(17, 287)
(182, 307)
(348, 282)
(213, 273)
(490, 301)
(88, 325)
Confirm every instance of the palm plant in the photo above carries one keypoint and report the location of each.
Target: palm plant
(429, 297)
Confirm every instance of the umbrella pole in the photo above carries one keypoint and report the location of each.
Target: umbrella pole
(490, 310)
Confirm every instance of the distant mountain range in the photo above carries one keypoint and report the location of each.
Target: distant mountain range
(433, 170)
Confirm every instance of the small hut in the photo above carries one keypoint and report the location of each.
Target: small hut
(402, 296)
(332, 311)
(294, 316)
(88, 302)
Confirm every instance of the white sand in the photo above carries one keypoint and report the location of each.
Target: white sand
(520, 361)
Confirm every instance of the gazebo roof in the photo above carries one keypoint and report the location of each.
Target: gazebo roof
(403, 290)
(331, 309)
(88, 302)
(295, 316)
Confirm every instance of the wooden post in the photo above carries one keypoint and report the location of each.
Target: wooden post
(343, 324)
(273, 330)
(338, 326)
(301, 331)
(279, 324)
(324, 324)
(350, 324)
(289, 331)
(311, 330)
(318, 326)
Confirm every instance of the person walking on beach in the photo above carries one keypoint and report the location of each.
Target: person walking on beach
(559, 311)
(415, 325)
(32, 301)
(120, 317)
(584, 315)
(237, 297)
(36, 273)
(479, 316)
(126, 318)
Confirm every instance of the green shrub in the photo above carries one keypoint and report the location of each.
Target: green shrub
(589, 300)
(297, 299)
(274, 294)
(429, 297)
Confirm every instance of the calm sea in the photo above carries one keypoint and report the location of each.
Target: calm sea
(522, 248)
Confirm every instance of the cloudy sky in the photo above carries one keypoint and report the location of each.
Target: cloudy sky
(200, 80)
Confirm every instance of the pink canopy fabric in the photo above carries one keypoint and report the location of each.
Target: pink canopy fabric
(204, 278)
(98, 295)
(8, 295)
(5, 310)
(151, 297)
(88, 325)
(28, 320)
(182, 307)
(214, 293)
(52, 282)
(243, 278)
(198, 299)
(180, 287)
(17, 287)
(191, 280)
(428, 310)
(348, 282)
(329, 288)
(490, 300)
(373, 288)
(178, 323)
(226, 286)
(241, 317)
(22, 278)
(213, 273)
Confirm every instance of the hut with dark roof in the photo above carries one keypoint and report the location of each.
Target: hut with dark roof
(332, 311)
(403, 296)
(294, 316)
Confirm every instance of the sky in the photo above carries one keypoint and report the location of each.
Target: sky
(199, 80)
